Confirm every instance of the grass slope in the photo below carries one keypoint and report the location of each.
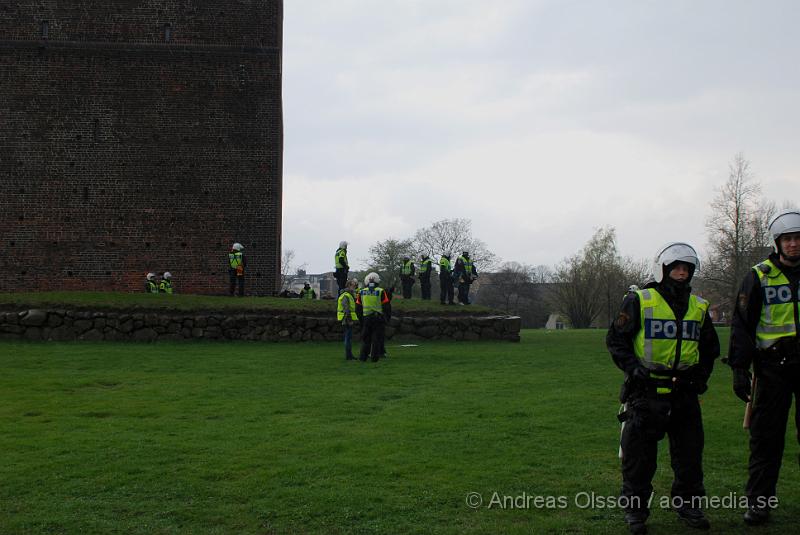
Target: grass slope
(185, 302)
(290, 438)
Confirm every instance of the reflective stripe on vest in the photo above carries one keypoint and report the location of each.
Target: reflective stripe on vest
(235, 259)
(340, 306)
(407, 267)
(777, 308)
(656, 343)
(467, 265)
(341, 254)
(425, 266)
(371, 300)
(307, 293)
(444, 265)
(152, 287)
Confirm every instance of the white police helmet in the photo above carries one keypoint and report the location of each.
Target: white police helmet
(785, 222)
(674, 252)
(342, 245)
(633, 288)
(372, 277)
(237, 246)
(151, 276)
(167, 275)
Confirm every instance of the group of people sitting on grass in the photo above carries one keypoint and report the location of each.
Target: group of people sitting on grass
(163, 286)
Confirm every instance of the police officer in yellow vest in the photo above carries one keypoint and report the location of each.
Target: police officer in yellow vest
(465, 274)
(425, 268)
(340, 265)
(665, 342)
(764, 333)
(346, 313)
(308, 292)
(150, 285)
(445, 280)
(407, 276)
(236, 265)
(374, 310)
(165, 286)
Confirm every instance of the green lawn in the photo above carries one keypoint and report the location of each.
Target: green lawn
(290, 438)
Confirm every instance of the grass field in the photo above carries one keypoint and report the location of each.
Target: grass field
(290, 438)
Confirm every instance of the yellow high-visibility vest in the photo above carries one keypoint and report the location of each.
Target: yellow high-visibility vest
(664, 343)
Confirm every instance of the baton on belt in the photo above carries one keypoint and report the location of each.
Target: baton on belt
(748, 409)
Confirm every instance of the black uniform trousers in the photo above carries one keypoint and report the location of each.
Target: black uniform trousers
(678, 416)
(408, 283)
(425, 287)
(236, 281)
(341, 278)
(373, 330)
(463, 292)
(446, 288)
(775, 385)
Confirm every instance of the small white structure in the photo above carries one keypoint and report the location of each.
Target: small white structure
(554, 322)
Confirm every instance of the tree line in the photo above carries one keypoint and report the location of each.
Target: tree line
(586, 288)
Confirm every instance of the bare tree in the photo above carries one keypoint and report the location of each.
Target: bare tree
(386, 259)
(454, 236)
(287, 267)
(590, 284)
(737, 232)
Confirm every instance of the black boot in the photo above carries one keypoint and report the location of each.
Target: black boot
(692, 517)
(756, 515)
(636, 518)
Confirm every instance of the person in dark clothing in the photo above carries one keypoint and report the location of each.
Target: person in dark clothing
(341, 267)
(407, 277)
(465, 273)
(445, 280)
(664, 341)
(764, 334)
(374, 310)
(425, 268)
(236, 265)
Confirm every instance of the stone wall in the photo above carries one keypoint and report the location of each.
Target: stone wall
(151, 326)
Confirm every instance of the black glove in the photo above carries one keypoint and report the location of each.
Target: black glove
(741, 383)
(639, 374)
(695, 380)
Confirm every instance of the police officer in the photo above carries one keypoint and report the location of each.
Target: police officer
(374, 310)
(150, 285)
(346, 313)
(407, 276)
(466, 273)
(764, 333)
(236, 265)
(445, 280)
(425, 268)
(341, 267)
(665, 342)
(307, 292)
(165, 286)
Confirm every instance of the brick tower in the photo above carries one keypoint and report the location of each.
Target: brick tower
(136, 136)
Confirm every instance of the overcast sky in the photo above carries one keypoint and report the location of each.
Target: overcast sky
(541, 121)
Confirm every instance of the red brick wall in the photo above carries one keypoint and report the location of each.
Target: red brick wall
(121, 153)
